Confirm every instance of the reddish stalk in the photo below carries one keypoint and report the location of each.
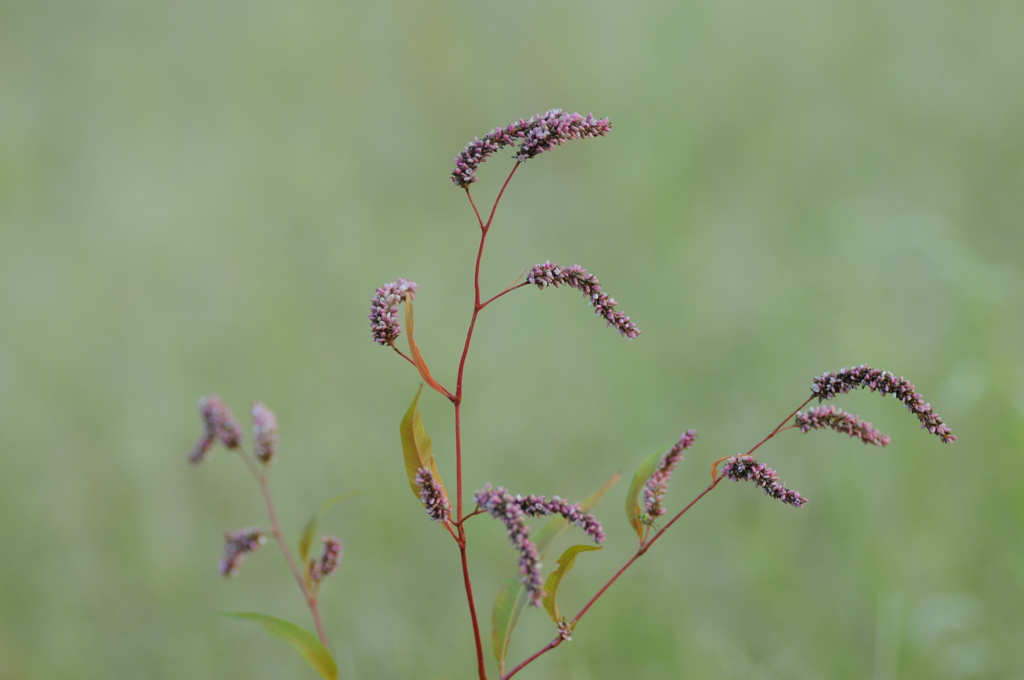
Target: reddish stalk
(456, 400)
(275, 529)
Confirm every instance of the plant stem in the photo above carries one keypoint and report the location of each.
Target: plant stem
(275, 528)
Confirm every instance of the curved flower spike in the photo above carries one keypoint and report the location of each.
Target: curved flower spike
(512, 511)
(743, 468)
(830, 417)
(539, 134)
(550, 274)
(828, 385)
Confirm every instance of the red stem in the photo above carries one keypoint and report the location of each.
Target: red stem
(275, 528)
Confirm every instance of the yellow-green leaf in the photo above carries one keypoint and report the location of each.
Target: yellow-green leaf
(305, 643)
(565, 563)
(508, 605)
(634, 511)
(417, 358)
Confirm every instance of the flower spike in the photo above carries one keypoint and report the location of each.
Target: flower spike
(657, 483)
(742, 468)
(512, 511)
(538, 134)
(384, 310)
(828, 385)
(238, 544)
(830, 417)
(433, 496)
(550, 274)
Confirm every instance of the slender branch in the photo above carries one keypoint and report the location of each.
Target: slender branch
(481, 666)
(504, 292)
(533, 657)
(456, 400)
(501, 192)
(275, 529)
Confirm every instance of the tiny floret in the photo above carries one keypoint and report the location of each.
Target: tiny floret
(384, 310)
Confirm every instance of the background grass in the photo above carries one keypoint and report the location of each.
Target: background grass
(201, 197)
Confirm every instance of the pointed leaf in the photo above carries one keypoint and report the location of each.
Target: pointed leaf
(415, 442)
(416, 446)
(508, 605)
(633, 508)
(417, 358)
(565, 563)
(309, 532)
(512, 598)
(305, 643)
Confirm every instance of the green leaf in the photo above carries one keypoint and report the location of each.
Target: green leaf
(508, 605)
(305, 643)
(636, 488)
(565, 563)
(511, 599)
(308, 533)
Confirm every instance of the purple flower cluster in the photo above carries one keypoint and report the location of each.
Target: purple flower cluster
(328, 562)
(534, 136)
(238, 544)
(384, 310)
(828, 385)
(539, 506)
(433, 496)
(264, 424)
(512, 511)
(550, 274)
(742, 468)
(219, 424)
(830, 417)
(657, 484)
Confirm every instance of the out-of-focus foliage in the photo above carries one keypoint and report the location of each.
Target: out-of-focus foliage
(202, 197)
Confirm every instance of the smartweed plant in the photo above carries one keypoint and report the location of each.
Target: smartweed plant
(453, 507)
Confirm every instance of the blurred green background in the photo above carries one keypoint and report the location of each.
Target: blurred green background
(201, 197)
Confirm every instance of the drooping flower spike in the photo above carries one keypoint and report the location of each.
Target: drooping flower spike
(384, 310)
(830, 417)
(828, 385)
(538, 134)
(657, 483)
(743, 468)
(433, 496)
(219, 425)
(264, 425)
(512, 511)
(238, 544)
(328, 562)
(550, 274)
